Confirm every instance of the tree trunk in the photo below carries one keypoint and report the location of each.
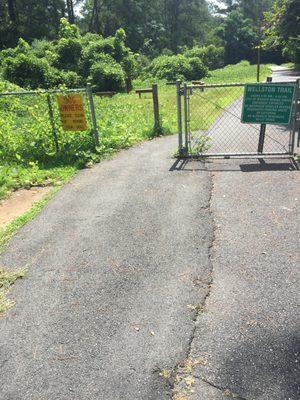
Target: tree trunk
(12, 11)
(70, 10)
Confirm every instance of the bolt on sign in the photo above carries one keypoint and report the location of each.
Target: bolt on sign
(268, 103)
(72, 112)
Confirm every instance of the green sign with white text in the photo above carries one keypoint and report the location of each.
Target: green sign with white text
(268, 103)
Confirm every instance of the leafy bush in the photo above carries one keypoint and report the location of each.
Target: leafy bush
(67, 30)
(71, 61)
(199, 70)
(68, 54)
(26, 71)
(68, 79)
(177, 67)
(106, 74)
(211, 56)
(292, 50)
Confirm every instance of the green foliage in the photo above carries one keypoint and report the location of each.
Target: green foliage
(71, 61)
(239, 37)
(7, 279)
(68, 54)
(27, 154)
(211, 56)
(27, 71)
(106, 74)
(177, 67)
(16, 175)
(67, 30)
(282, 28)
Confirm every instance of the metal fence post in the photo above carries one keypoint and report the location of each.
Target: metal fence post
(179, 115)
(51, 116)
(157, 126)
(186, 117)
(263, 128)
(93, 114)
(296, 118)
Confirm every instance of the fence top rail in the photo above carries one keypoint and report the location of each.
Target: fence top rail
(27, 92)
(221, 85)
(217, 85)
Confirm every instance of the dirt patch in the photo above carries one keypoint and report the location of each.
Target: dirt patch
(19, 202)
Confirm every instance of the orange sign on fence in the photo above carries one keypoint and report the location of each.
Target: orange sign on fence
(72, 112)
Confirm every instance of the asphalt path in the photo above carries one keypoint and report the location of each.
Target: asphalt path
(152, 279)
(248, 332)
(116, 262)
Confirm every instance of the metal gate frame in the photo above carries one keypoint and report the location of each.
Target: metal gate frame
(183, 101)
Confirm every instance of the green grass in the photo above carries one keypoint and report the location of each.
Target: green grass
(14, 176)
(8, 278)
(238, 73)
(9, 230)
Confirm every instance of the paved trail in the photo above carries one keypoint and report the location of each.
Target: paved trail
(249, 330)
(114, 262)
(140, 264)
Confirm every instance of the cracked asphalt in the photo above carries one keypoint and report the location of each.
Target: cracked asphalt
(118, 264)
(248, 331)
(115, 266)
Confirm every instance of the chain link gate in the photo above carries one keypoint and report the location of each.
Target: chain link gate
(209, 124)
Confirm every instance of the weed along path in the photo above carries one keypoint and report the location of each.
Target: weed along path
(156, 279)
(118, 263)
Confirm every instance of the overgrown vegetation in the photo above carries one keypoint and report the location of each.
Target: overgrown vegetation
(27, 155)
(72, 61)
(164, 41)
(7, 278)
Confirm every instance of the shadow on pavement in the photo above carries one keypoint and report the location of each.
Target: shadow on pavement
(265, 367)
(234, 165)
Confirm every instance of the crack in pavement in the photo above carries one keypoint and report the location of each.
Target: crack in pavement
(182, 375)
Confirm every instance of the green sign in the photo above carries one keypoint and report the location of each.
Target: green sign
(268, 103)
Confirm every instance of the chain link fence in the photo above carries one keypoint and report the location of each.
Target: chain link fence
(211, 124)
(32, 127)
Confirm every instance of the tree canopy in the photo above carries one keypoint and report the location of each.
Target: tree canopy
(161, 27)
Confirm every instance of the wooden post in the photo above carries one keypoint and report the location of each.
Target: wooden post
(157, 126)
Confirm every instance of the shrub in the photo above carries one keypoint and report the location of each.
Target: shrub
(93, 53)
(69, 79)
(211, 56)
(199, 70)
(67, 30)
(41, 47)
(26, 71)
(106, 75)
(292, 50)
(69, 61)
(69, 52)
(171, 67)
(177, 67)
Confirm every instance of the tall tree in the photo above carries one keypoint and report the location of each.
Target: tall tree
(70, 10)
(282, 28)
(29, 19)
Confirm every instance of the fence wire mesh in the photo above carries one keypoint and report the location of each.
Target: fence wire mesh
(31, 126)
(213, 124)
